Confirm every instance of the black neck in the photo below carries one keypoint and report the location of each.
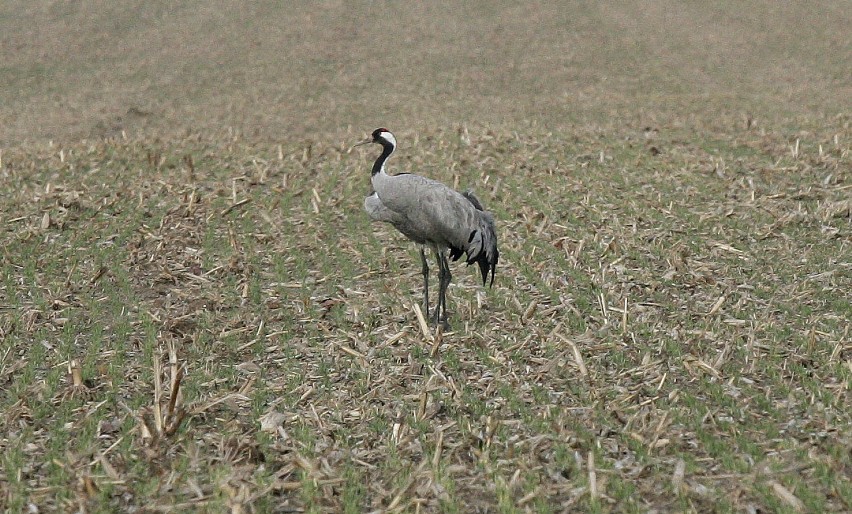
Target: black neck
(387, 149)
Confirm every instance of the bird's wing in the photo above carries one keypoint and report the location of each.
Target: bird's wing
(439, 213)
(378, 211)
(436, 213)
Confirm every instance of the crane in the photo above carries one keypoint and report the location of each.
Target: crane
(432, 215)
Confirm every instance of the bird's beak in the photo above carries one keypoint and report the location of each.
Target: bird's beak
(364, 142)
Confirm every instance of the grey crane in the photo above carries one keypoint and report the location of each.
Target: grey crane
(434, 215)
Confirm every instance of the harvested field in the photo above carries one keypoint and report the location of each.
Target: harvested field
(197, 315)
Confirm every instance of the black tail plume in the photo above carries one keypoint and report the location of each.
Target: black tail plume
(486, 265)
(488, 254)
(473, 199)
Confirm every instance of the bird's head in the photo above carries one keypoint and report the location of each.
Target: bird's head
(381, 136)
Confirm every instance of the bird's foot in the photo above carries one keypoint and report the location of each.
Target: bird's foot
(439, 321)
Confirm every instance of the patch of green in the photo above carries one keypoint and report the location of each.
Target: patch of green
(294, 309)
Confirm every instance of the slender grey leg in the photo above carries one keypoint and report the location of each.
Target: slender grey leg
(425, 281)
(444, 280)
(447, 277)
(437, 315)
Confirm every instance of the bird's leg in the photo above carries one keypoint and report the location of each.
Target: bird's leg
(425, 280)
(447, 278)
(437, 314)
(444, 281)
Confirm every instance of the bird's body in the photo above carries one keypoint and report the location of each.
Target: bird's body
(431, 214)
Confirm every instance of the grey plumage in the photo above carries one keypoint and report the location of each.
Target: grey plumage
(434, 215)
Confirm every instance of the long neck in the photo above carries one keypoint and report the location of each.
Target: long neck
(379, 165)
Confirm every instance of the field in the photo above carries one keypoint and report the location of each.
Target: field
(197, 316)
